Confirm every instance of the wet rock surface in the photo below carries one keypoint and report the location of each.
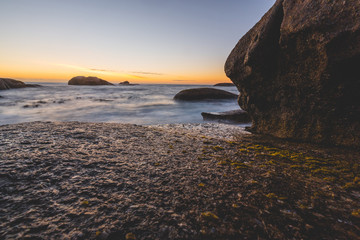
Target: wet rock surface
(196, 94)
(207, 130)
(297, 71)
(235, 116)
(115, 181)
(81, 80)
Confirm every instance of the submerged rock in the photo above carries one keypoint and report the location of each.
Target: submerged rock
(204, 94)
(224, 85)
(7, 83)
(238, 116)
(298, 71)
(81, 80)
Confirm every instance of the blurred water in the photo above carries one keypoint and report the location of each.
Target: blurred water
(139, 104)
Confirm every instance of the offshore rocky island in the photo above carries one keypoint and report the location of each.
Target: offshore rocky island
(296, 177)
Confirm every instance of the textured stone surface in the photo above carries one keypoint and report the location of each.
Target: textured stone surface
(78, 181)
(81, 80)
(7, 83)
(203, 94)
(298, 71)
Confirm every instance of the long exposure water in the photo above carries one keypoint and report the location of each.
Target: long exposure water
(138, 104)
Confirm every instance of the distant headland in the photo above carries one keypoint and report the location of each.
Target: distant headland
(8, 83)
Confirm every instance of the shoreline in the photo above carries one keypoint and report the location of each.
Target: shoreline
(217, 130)
(211, 130)
(73, 180)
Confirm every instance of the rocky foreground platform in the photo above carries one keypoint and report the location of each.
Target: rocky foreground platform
(120, 181)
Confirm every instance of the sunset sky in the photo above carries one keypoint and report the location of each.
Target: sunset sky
(142, 41)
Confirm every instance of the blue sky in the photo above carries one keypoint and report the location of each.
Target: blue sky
(136, 40)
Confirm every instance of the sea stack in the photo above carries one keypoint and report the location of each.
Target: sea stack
(298, 71)
(81, 80)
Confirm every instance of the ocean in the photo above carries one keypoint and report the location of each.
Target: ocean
(145, 104)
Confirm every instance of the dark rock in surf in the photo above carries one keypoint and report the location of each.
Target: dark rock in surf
(237, 116)
(7, 83)
(195, 94)
(298, 71)
(224, 85)
(31, 106)
(127, 83)
(33, 85)
(90, 81)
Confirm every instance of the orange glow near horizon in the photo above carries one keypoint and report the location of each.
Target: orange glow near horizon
(64, 72)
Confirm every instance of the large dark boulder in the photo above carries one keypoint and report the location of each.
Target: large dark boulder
(196, 94)
(298, 71)
(7, 83)
(81, 80)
